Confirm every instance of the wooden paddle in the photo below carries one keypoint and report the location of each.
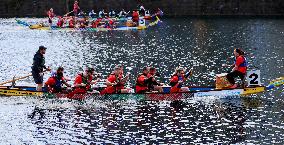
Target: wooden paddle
(68, 13)
(15, 79)
(19, 78)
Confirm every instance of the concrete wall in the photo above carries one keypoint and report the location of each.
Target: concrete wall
(21, 8)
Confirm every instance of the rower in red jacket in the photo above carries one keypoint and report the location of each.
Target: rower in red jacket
(239, 68)
(50, 15)
(71, 23)
(154, 85)
(116, 82)
(135, 17)
(60, 22)
(55, 82)
(178, 79)
(142, 82)
(83, 81)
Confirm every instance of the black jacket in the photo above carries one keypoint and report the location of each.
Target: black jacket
(38, 62)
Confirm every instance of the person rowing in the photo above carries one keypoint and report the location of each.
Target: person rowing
(76, 8)
(135, 17)
(122, 14)
(102, 13)
(112, 14)
(177, 80)
(60, 22)
(55, 83)
(38, 66)
(116, 82)
(239, 68)
(92, 14)
(153, 84)
(50, 15)
(83, 81)
(143, 82)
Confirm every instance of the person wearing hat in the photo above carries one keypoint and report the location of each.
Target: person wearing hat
(38, 66)
(116, 82)
(178, 79)
(84, 81)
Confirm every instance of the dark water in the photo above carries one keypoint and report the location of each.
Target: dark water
(204, 44)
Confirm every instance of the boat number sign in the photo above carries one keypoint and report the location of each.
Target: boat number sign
(253, 78)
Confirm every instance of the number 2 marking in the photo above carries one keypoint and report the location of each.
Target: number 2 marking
(254, 78)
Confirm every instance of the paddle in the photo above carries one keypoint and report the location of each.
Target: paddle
(68, 13)
(16, 79)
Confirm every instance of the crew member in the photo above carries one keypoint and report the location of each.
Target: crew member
(50, 15)
(239, 67)
(92, 14)
(102, 13)
(60, 22)
(76, 8)
(135, 17)
(38, 66)
(178, 79)
(55, 82)
(153, 84)
(142, 82)
(116, 82)
(122, 13)
(71, 22)
(111, 14)
(83, 81)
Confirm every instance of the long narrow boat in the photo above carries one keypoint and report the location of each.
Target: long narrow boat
(194, 92)
(120, 28)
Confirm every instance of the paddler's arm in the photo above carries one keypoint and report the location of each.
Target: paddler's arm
(66, 84)
(110, 84)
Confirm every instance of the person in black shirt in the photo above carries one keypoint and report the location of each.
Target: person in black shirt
(38, 66)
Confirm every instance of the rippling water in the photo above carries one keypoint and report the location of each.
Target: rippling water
(204, 44)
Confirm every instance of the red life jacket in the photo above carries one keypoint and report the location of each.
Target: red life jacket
(60, 22)
(135, 17)
(113, 89)
(175, 86)
(83, 90)
(71, 23)
(50, 14)
(141, 86)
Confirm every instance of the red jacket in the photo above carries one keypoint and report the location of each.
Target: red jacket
(112, 78)
(135, 16)
(174, 83)
(141, 85)
(79, 80)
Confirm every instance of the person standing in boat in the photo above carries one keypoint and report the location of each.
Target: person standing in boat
(135, 17)
(239, 67)
(76, 8)
(116, 82)
(154, 85)
(55, 82)
(38, 66)
(50, 15)
(84, 81)
(177, 80)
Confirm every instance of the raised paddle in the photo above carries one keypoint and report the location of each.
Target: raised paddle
(68, 13)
